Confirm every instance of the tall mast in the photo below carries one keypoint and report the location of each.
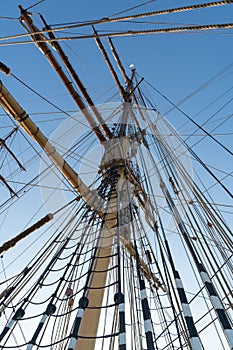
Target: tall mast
(116, 255)
(85, 336)
(94, 293)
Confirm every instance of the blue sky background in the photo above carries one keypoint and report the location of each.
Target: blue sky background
(175, 64)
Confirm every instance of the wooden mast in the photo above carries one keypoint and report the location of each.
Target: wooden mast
(107, 234)
(95, 294)
(95, 290)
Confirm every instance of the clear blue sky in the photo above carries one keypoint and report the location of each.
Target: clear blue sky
(176, 64)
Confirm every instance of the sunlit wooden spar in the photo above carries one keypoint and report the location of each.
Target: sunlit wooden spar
(10, 105)
(68, 84)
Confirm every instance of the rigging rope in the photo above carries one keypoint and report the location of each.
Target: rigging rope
(107, 20)
(191, 150)
(189, 118)
(155, 13)
(123, 33)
